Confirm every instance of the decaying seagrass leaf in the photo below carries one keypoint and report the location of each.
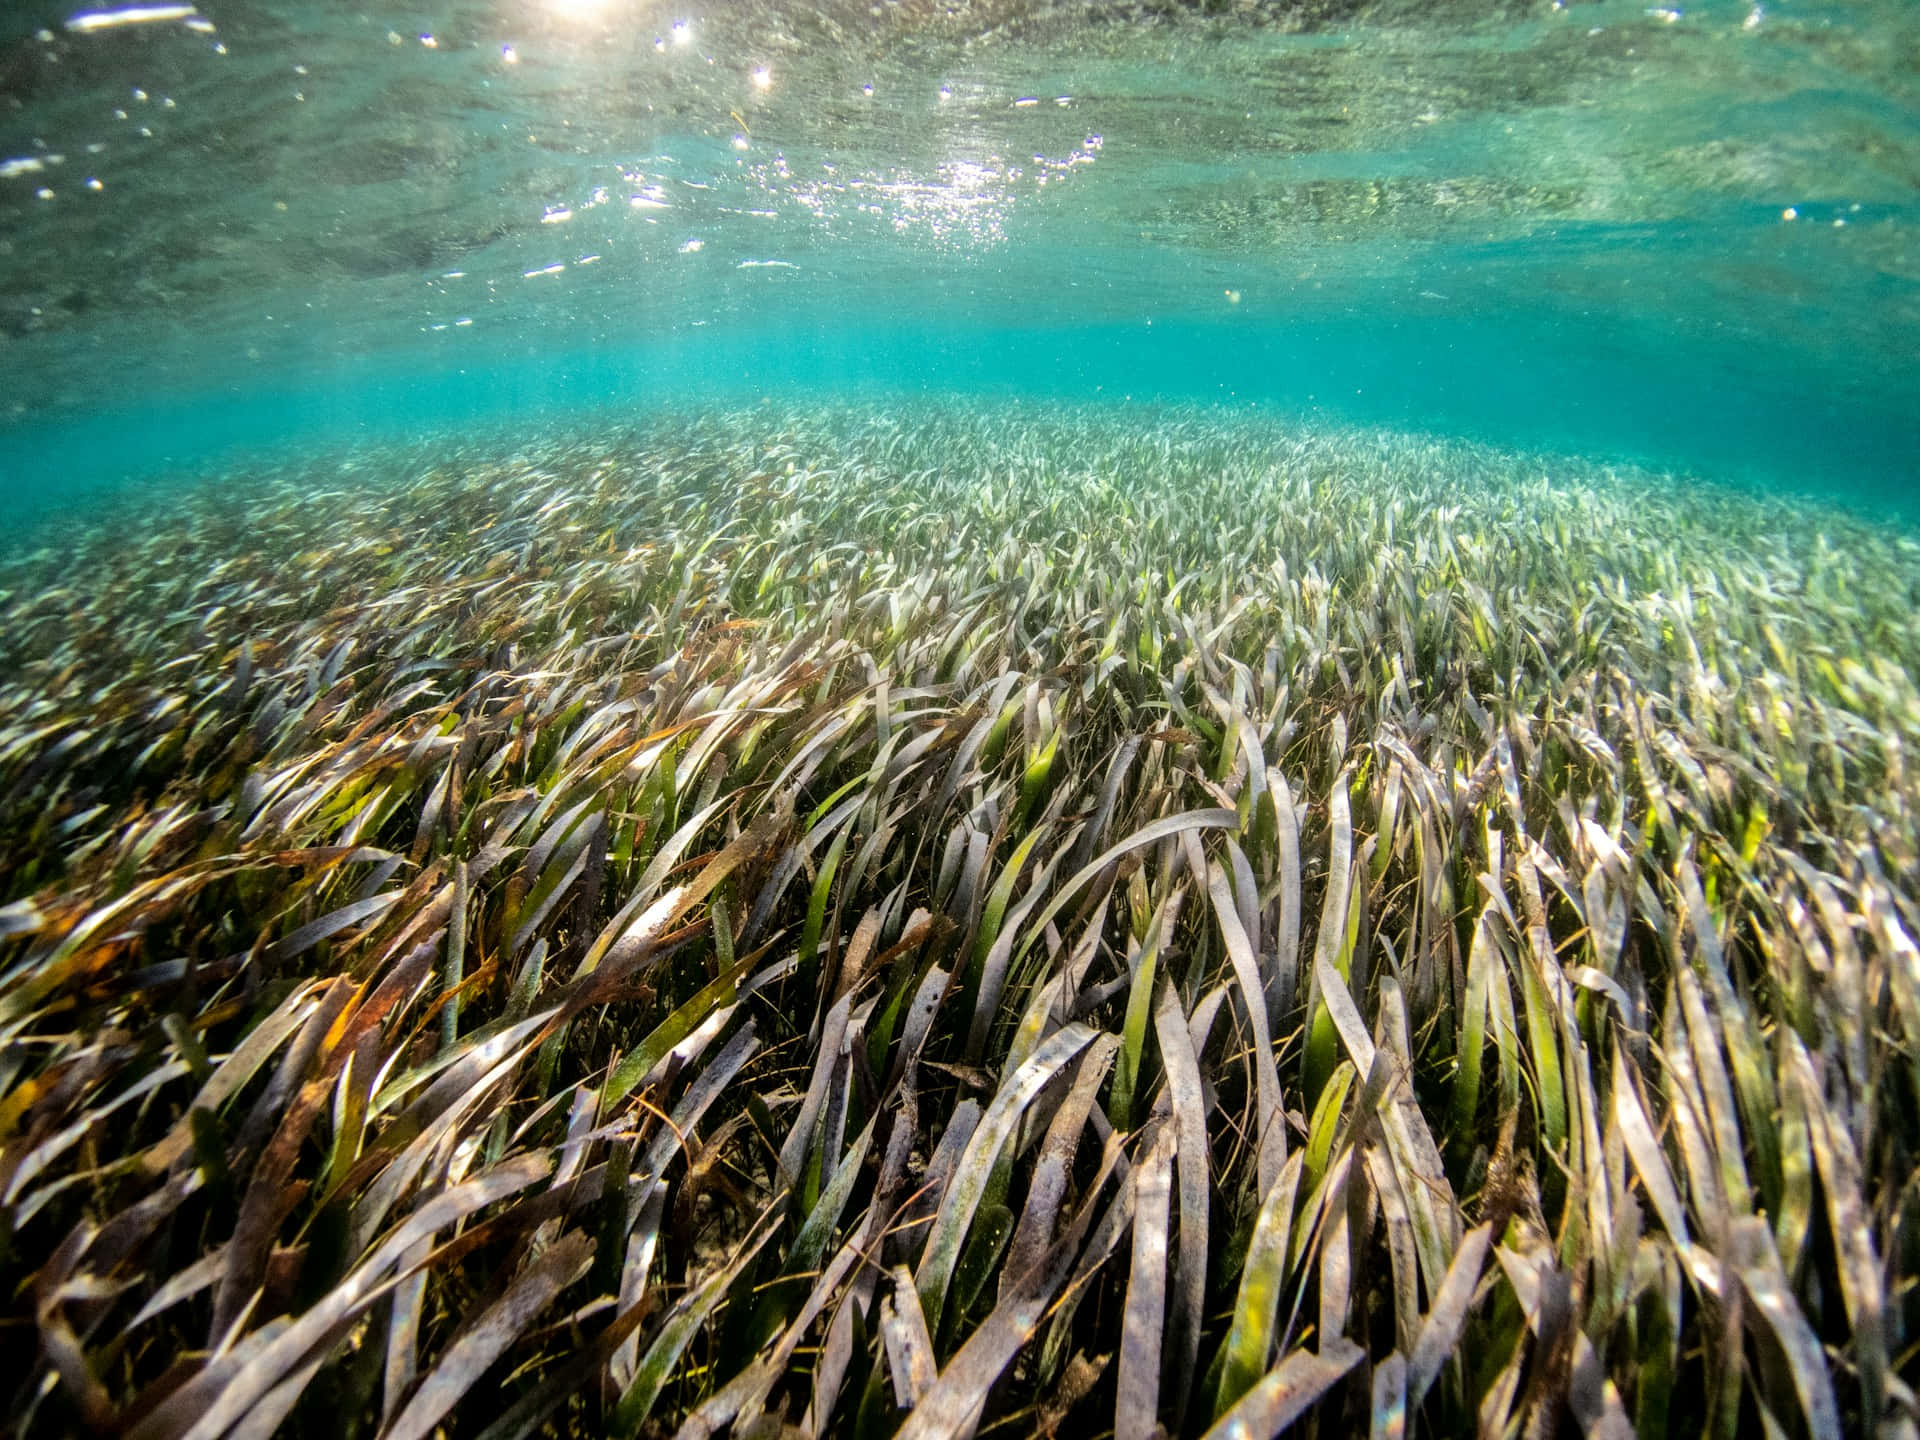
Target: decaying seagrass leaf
(1137, 1406)
(1189, 1128)
(490, 1333)
(974, 1170)
(1288, 1391)
(909, 1347)
(952, 1405)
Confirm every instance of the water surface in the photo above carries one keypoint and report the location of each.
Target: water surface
(1677, 236)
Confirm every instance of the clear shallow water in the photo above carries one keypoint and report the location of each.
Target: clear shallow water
(422, 561)
(1680, 237)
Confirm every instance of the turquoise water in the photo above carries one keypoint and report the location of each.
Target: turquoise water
(1393, 523)
(1682, 238)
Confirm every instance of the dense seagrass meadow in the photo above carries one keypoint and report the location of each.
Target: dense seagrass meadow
(960, 921)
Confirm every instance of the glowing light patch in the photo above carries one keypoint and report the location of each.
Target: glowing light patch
(90, 20)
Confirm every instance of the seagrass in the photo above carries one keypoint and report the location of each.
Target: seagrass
(951, 920)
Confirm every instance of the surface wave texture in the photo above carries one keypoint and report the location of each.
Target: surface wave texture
(994, 719)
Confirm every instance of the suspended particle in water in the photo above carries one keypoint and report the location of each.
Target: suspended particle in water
(1233, 297)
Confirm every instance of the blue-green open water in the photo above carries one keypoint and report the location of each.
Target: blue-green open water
(1683, 238)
